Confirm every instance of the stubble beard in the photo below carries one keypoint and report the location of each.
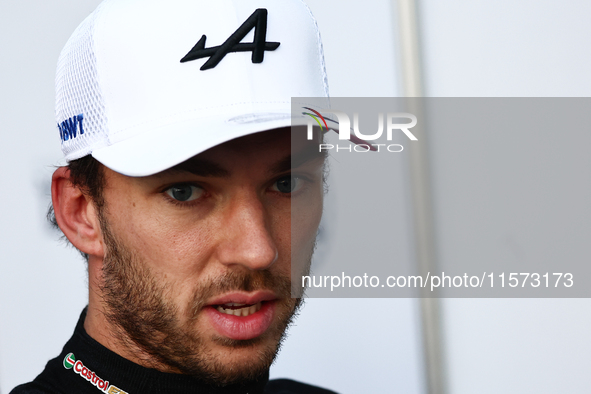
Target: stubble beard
(143, 316)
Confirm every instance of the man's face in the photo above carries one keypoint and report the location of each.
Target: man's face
(197, 272)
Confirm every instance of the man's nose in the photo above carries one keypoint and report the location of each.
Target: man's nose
(247, 239)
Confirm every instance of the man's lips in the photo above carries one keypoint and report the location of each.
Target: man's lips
(243, 298)
(242, 316)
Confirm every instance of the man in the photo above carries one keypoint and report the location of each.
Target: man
(182, 180)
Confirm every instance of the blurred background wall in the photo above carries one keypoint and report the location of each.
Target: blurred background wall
(468, 48)
(507, 48)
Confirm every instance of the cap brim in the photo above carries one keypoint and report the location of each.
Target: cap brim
(164, 147)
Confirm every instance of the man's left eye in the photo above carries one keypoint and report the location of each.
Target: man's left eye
(185, 193)
(287, 184)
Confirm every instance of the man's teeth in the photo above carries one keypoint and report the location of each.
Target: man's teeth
(231, 309)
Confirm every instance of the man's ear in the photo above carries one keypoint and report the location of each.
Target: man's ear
(76, 214)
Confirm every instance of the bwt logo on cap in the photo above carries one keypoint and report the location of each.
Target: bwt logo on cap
(71, 128)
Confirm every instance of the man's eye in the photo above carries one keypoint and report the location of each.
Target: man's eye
(185, 192)
(287, 184)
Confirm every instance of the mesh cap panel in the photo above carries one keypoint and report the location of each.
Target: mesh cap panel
(78, 92)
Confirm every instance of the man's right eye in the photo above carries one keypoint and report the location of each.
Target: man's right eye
(185, 193)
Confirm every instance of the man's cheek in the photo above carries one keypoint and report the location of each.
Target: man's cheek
(180, 252)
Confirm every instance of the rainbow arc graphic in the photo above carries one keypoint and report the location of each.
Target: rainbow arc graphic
(316, 118)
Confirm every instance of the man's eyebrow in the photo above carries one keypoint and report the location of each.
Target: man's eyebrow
(311, 153)
(200, 167)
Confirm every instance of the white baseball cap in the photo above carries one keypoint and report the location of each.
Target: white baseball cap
(143, 85)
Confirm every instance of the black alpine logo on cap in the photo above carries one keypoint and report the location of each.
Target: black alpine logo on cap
(258, 21)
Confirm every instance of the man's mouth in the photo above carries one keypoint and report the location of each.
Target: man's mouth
(241, 316)
(236, 309)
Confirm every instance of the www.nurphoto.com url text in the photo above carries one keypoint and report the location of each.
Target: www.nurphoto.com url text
(433, 282)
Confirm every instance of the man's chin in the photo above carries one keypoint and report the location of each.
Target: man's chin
(242, 362)
(237, 346)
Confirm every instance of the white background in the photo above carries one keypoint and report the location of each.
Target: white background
(470, 48)
(517, 48)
